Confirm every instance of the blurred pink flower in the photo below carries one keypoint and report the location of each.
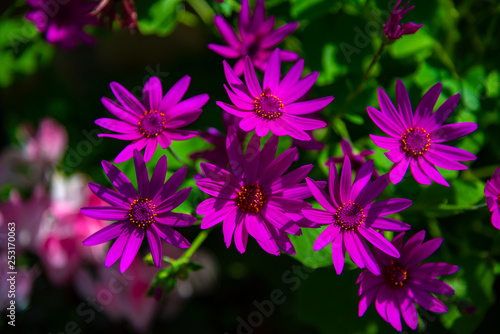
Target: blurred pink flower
(64, 228)
(39, 153)
(49, 142)
(27, 215)
(23, 283)
(123, 296)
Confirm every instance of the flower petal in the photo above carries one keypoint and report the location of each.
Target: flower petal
(112, 197)
(105, 234)
(117, 248)
(127, 100)
(131, 249)
(338, 253)
(175, 94)
(320, 195)
(273, 71)
(155, 245)
(105, 212)
(119, 180)
(377, 240)
(152, 94)
(251, 80)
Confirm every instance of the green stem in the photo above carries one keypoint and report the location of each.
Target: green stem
(194, 246)
(361, 85)
(176, 156)
(203, 10)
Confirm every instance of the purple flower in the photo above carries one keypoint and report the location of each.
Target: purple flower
(357, 160)
(147, 212)
(257, 38)
(218, 155)
(254, 196)
(392, 28)
(403, 282)
(352, 217)
(63, 23)
(154, 121)
(274, 108)
(416, 137)
(492, 193)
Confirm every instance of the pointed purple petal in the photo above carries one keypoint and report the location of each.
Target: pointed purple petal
(142, 175)
(117, 126)
(155, 245)
(290, 78)
(105, 234)
(278, 35)
(418, 172)
(319, 194)
(128, 151)
(226, 31)
(152, 94)
(345, 181)
(404, 105)
(109, 196)
(428, 301)
(452, 131)
(377, 240)
(131, 249)
(158, 178)
(119, 180)
(427, 103)
(175, 94)
(384, 123)
(105, 212)
(120, 112)
(326, 237)
(273, 72)
(127, 100)
(251, 79)
(117, 248)
(338, 253)
(229, 225)
(398, 171)
(407, 308)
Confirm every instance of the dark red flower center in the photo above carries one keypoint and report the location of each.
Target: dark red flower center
(152, 123)
(415, 142)
(349, 216)
(142, 212)
(268, 106)
(251, 198)
(395, 275)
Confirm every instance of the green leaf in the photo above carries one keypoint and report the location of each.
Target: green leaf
(162, 17)
(418, 45)
(493, 84)
(304, 246)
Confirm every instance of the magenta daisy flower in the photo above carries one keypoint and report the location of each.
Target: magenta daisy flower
(157, 120)
(404, 282)
(357, 160)
(492, 193)
(254, 197)
(273, 107)
(352, 217)
(64, 23)
(257, 38)
(146, 212)
(392, 28)
(415, 138)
